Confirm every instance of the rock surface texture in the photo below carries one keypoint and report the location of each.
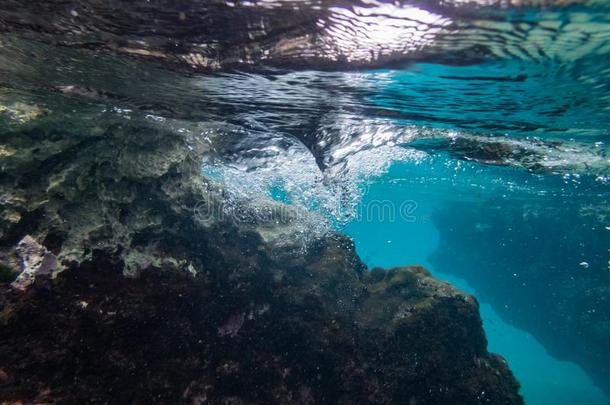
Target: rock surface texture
(148, 302)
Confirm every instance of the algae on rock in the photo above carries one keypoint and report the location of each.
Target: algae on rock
(212, 311)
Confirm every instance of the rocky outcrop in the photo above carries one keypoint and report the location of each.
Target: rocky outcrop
(150, 302)
(534, 155)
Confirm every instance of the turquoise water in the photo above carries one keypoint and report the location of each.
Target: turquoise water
(394, 241)
(468, 137)
(493, 176)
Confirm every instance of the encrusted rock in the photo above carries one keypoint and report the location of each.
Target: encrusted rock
(35, 260)
(213, 312)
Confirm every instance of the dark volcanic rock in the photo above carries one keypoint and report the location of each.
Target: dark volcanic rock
(93, 336)
(210, 312)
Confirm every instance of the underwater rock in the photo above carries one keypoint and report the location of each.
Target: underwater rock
(20, 113)
(35, 260)
(552, 296)
(212, 312)
(535, 155)
(232, 326)
(165, 337)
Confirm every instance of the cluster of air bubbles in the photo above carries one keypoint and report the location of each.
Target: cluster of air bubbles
(270, 180)
(280, 184)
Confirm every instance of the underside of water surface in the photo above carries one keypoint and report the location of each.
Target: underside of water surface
(305, 202)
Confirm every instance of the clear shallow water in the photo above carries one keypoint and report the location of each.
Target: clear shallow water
(485, 125)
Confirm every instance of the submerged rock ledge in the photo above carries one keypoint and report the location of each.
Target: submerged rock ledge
(145, 302)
